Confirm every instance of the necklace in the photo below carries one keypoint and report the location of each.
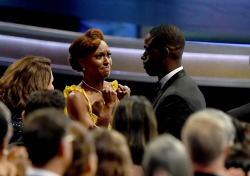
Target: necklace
(95, 90)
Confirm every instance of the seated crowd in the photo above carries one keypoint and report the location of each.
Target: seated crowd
(53, 144)
(96, 128)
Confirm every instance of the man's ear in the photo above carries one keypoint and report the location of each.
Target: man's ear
(165, 52)
(226, 151)
(164, 55)
(23, 115)
(61, 149)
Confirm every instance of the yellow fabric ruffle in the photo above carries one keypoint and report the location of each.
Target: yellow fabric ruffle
(69, 89)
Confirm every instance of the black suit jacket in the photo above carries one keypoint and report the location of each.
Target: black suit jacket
(178, 98)
(241, 113)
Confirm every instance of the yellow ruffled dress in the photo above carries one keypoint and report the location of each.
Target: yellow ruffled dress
(69, 89)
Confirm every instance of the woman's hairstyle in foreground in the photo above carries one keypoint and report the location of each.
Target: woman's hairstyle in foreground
(83, 149)
(113, 154)
(23, 77)
(134, 117)
(83, 46)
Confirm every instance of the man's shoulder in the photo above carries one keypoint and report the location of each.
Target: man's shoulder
(187, 79)
(186, 89)
(241, 113)
(183, 85)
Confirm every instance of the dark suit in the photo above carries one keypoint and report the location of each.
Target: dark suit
(241, 113)
(178, 98)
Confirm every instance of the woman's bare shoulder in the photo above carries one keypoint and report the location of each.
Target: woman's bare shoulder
(76, 96)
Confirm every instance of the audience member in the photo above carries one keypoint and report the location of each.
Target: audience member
(84, 154)
(19, 80)
(178, 95)
(207, 137)
(44, 99)
(228, 123)
(18, 155)
(37, 100)
(166, 156)
(134, 118)
(48, 141)
(113, 153)
(240, 152)
(7, 168)
(93, 100)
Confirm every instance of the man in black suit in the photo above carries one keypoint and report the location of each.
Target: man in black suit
(178, 94)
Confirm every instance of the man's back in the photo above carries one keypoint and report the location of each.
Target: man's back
(179, 97)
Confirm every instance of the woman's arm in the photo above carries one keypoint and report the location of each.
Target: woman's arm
(106, 112)
(77, 107)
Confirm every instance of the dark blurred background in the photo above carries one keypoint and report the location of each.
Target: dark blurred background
(224, 21)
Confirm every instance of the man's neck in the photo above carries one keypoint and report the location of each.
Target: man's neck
(166, 77)
(169, 68)
(214, 168)
(54, 165)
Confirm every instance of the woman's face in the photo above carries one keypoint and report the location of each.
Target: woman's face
(98, 63)
(50, 86)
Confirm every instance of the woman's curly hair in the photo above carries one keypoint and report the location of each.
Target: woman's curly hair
(83, 46)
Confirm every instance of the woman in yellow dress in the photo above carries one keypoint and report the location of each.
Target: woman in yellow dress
(93, 100)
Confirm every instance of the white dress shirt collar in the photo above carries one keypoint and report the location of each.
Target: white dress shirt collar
(169, 75)
(40, 172)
